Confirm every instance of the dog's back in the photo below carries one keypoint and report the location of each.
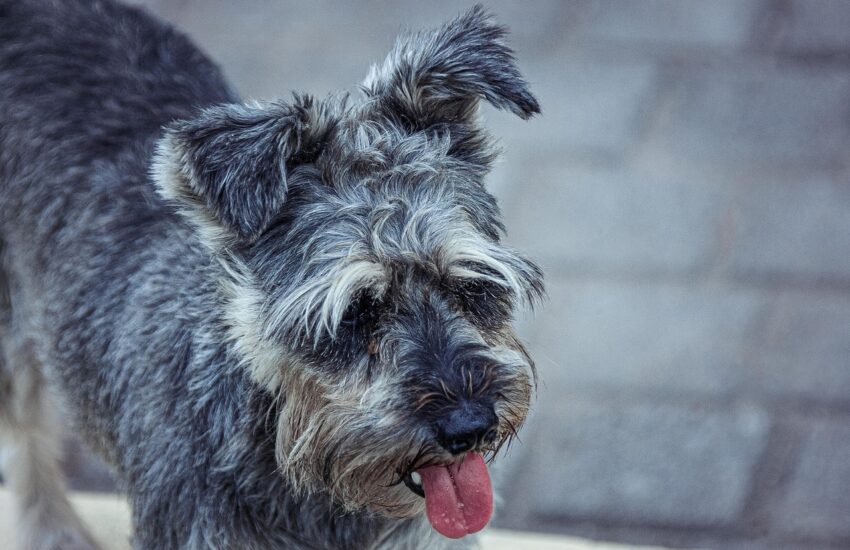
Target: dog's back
(85, 80)
(86, 247)
(85, 89)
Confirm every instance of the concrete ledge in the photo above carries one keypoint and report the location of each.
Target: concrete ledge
(108, 517)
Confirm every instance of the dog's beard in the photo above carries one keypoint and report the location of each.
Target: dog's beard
(341, 443)
(344, 442)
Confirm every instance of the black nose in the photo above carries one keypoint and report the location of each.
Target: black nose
(466, 426)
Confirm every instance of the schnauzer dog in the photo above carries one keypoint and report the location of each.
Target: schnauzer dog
(282, 324)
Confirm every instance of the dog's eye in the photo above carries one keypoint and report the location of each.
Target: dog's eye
(361, 313)
(477, 292)
(484, 299)
(480, 288)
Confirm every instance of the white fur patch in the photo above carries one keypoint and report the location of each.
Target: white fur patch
(172, 176)
(320, 303)
(243, 303)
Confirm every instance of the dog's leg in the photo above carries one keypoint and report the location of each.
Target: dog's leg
(30, 447)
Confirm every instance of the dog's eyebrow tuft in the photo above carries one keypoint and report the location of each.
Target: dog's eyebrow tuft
(472, 256)
(317, 306)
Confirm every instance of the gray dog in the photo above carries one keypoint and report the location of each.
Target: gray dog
(282, 324)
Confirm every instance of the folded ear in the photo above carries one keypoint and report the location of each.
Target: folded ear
(439, 76)
(227, 168)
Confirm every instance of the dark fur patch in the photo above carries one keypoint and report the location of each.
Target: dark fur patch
(437, 76)
(234, 160)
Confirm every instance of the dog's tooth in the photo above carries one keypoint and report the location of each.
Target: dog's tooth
(417, 479)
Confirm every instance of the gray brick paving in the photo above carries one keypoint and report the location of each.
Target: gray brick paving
(679, 465)
(804, 350)
(756, 115)
(667, 338)
(687, 190)
(724, 23)
(613, 219)
(817, 26)
(591, 107)
(817, 504)
(794, 229)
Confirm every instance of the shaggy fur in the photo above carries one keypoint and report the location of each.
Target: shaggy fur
(261, 315)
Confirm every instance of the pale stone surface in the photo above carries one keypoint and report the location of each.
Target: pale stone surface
(619, 461)
(794, 229)
(612, 219)
(756, 115)
(818, 499)
(804, 351)
(817, 26)
(720, 23)
(674, 339)
(109, 518)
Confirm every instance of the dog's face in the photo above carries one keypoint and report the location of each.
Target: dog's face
(367, 285)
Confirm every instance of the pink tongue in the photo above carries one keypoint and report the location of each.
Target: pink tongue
(458, 497)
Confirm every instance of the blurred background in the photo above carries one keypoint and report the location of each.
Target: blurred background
(686, 190)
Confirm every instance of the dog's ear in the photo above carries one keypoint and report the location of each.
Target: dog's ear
(227, 167)
(439, 76)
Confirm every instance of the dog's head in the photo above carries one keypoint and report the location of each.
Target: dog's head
(366, 282)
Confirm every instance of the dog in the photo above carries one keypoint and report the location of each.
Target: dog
(282, 324)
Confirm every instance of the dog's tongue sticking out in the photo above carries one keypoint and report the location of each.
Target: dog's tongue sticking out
(458, 497)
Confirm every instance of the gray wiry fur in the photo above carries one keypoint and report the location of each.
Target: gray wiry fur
(262, 314)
